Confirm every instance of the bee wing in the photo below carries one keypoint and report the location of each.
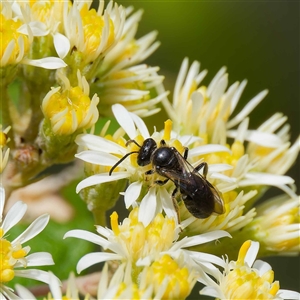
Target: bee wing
(219, 207)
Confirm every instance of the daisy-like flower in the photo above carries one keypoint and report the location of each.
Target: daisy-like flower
(122, 79)
(107, 152)
(246, 279)
(206, 112)
(46, 20)
(4, 150)
(14, 44)
(14, 257)
(138, 245)
(55, 288)
(17, 34)
(121, 285)
(163, 279)
(131, 87)
(277, 226)
(92, 33)
(70, 108)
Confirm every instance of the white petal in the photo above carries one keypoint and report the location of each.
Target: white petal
(268, 179)
(247, 109)
(287, 294)
(212, 292)
(205, 257)
(219, 168)
(204, 238)
(141, 126)
(97, 158)
(23, 292)
(88, 236)
(55, 286)
(124, 119)
(101, 144)
(50, 63)
(33, 274)
(260, 138)
(262, 267)
(148, 207)
(132, 193)
(187, 140)
(7, 293)
(210, 148)
(14, 215)
(100, 178)
(39, 259)
(34, 229)
(2, 202)
(61, 44)
(94, 258)
(167, 203)
(252, 253)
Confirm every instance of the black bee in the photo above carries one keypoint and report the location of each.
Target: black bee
(200, 197)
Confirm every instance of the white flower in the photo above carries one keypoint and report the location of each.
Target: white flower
(55, 288)
(93, 33)
(139, 245)
(107, 153)
(277, 226)
(246, 279)
(206, 112)
(14, 257)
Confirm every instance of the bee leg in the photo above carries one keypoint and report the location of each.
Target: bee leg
(161, 182)
(150, 172)
(132, 141)
(199, 167)
(186, 152)
(163, 143)
(176, 205)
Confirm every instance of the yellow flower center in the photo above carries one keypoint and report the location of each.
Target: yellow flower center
(244, 282)
(92, 28)
(8, 258)
(167, 271)
(9, 32)
(67, 110)
(140, 240)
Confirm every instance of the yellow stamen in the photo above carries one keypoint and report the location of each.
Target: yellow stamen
(242, 253)
(8, 33)
(178, 285)
(167, 130)
(93, 27)
(114, 223)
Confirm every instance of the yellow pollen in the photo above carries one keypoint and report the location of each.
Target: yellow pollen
(140, 240)
(114, 223)
(9, 32)
(1, 232)
(244, 282)
(237, 149)
(92, 27)
(66, 106)
(19, 254)
(167, 130)
(7, 260)
(178, 286)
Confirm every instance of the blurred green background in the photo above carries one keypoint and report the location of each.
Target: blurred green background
(258, 41)
(255, 40)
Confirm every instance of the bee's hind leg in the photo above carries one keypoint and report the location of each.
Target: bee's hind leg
(200, 166)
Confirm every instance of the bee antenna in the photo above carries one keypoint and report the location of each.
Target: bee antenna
(123, 158)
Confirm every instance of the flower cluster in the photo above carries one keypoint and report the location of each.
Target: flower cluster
(74, 87)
